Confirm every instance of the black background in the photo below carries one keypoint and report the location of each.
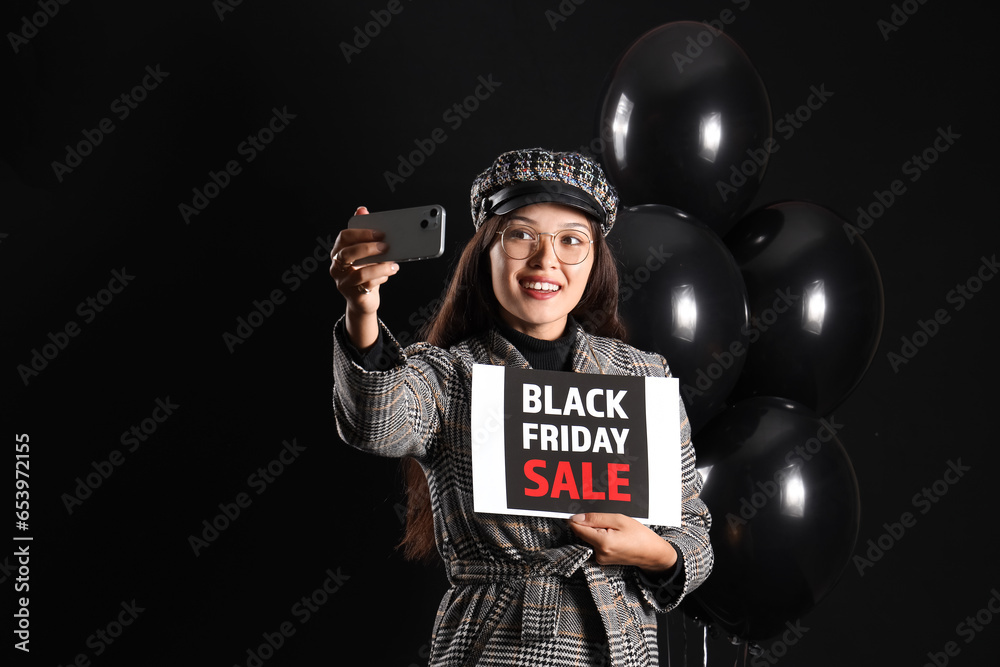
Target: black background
(336, 509)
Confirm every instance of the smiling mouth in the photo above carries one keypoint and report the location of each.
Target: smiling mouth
(540, 286)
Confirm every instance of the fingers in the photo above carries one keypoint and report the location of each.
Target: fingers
(345, 258)
(592, 527)
(350, 248)
(599, 520)
(621, 540)
(591, 533)
(360, 286)
(369, 275)
(353, 244)
(601, 531)
(359, 283)
(373, 275)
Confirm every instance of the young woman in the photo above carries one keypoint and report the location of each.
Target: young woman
(536, 287)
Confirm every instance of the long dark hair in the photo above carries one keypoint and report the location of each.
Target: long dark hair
(470, 307)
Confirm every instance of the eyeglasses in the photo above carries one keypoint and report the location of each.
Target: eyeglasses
(570, 245)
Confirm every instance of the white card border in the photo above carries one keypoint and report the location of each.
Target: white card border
(488, 453)
(664, 452)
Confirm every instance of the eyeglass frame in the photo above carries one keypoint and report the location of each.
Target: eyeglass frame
(538, 243)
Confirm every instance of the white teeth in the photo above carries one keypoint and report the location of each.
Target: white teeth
(544, 287)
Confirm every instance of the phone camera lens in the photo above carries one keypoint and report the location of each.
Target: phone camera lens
(423, 224)
(434, 212)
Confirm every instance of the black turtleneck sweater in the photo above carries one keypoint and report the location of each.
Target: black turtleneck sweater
(545, 355)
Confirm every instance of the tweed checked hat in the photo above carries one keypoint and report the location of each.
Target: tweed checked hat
(535, 175)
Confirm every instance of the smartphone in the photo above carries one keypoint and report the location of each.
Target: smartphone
(411, 233)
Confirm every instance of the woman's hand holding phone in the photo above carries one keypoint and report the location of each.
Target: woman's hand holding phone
(360, 284)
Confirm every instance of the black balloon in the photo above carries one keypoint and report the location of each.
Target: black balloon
(816, 304)
(785, 516)
(685, 120)
(682, 295)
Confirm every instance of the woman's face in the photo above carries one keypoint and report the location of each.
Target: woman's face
(537, 294)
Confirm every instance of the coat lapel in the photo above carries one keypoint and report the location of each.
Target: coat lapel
(502, 352)
(585, 357)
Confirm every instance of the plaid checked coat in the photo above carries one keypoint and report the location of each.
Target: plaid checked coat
(524, 590)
